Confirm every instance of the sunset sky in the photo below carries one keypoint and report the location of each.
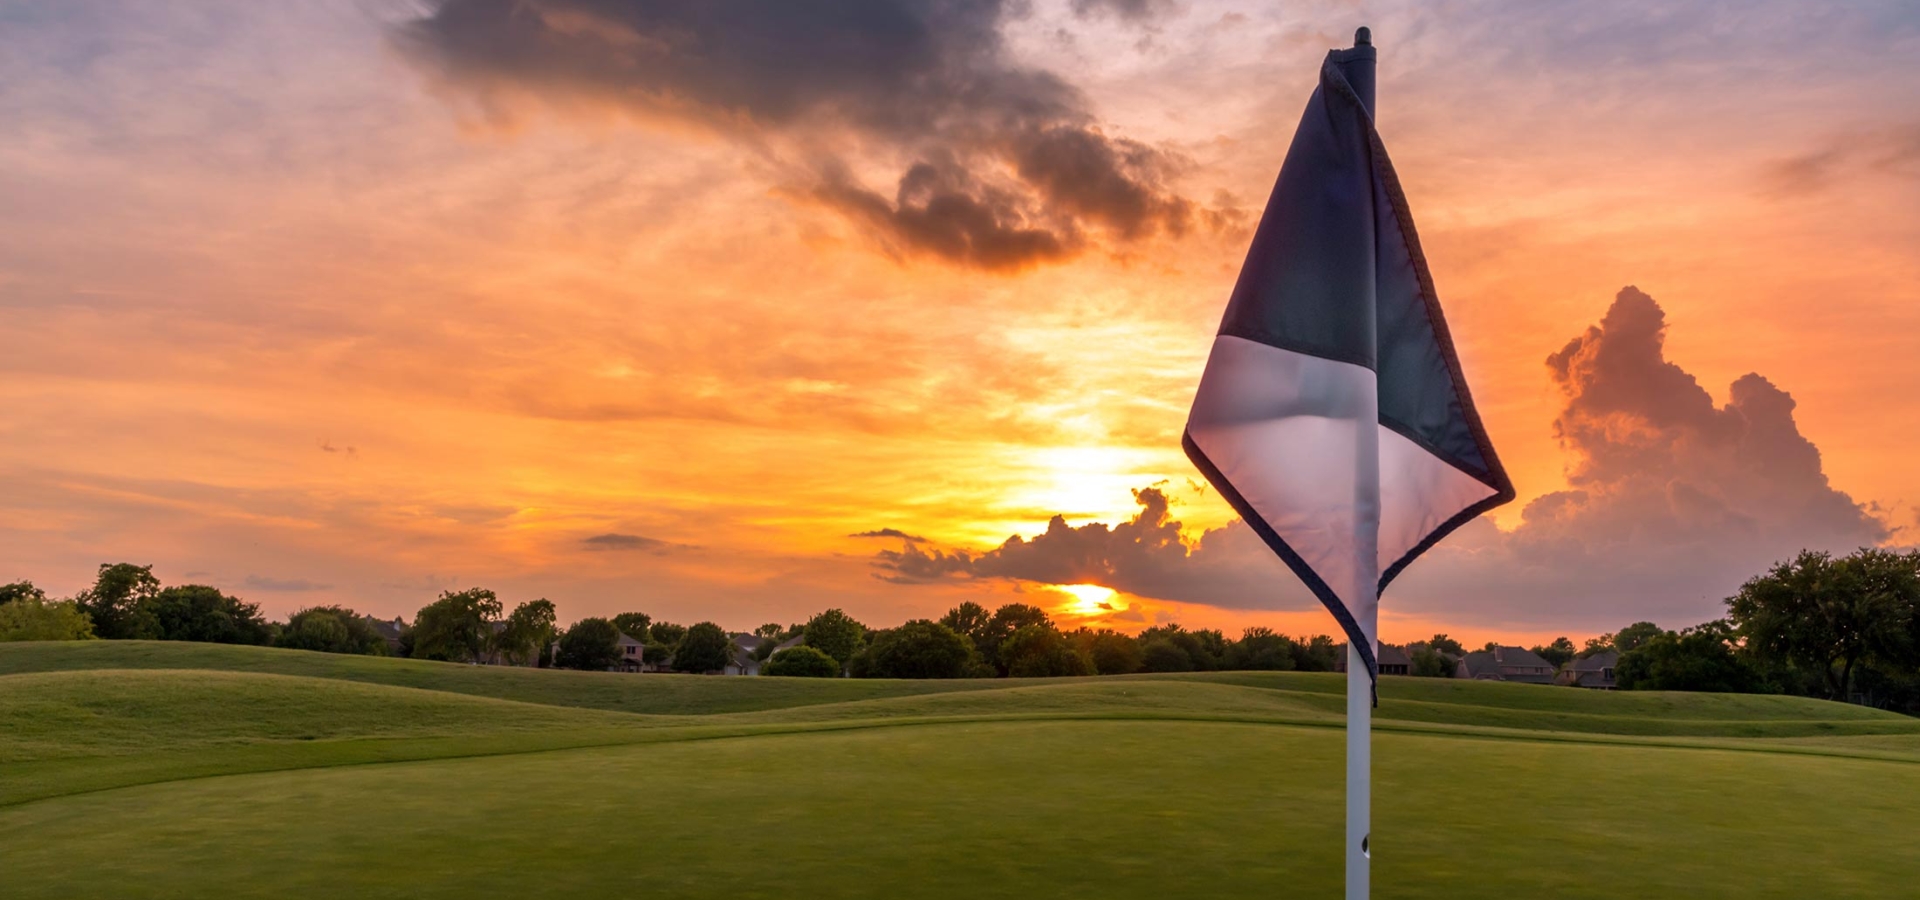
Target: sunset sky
(661, 305)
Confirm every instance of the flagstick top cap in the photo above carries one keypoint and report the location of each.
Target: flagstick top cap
(1363, 37)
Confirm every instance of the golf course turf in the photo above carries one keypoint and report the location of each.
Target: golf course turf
(137, 769)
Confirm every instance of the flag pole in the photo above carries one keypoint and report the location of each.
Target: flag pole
(1359, 679)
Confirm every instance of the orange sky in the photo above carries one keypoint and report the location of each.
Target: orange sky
(291, 312)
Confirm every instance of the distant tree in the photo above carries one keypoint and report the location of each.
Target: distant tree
(1001, 625)
(1702, 658)
(197, 612)
(590, 645)
(802, 662)
(636, 625)
(666, 633)
(1260, 648)
(331, 629)
(1828, 614)
(20, 590)
(1199, 646)
(1443, 644)
(113, 603)
(1430, 663)
(834, 633)
(918, 649)
(1040, 651)
(1490, 646)
(1633, 636)
(769, 632)
(35, 619)
(969, 619)
(1318, 654)
(706, 648)
(1560, 652)
(1159, 654)
(1112, 653)
(457, 627)
(530, 630)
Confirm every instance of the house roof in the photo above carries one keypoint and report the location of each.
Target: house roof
(1495, 663)
(747, 642)
(1391, 655)
(625, 641)
(389, 630)
(1605, 659)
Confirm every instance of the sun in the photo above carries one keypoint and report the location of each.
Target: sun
(1087, 599)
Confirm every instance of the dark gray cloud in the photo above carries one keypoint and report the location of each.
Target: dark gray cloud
(611, 541)
(1005, 165)
(1672, 501)
(264, 583)
(890, 533)
(1130, 10)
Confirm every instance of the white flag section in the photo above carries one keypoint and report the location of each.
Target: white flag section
(1333, 414)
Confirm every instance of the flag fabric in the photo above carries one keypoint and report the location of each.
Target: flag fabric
(1333, 415)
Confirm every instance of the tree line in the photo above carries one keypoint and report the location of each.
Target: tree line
(1819, 625)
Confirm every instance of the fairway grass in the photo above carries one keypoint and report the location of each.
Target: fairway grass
(167, 770)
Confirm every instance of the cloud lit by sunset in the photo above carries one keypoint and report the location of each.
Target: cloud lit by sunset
(358, 302)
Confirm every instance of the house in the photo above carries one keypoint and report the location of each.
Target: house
(633, 654)
(1595, 671)
(389, 632)
(1392, 659)
(744, 661)
(1505, 664)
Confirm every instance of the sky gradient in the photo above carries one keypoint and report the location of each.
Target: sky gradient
(720, 311)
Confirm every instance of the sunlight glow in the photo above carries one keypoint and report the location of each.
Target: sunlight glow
(1087, 599)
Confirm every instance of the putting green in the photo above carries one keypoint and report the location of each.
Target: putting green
(152, 772)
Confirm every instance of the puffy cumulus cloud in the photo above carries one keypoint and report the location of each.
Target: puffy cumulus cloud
(1147, 556)
(1672, 502)
(1005, 165)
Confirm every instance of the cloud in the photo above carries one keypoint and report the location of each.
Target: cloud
(1672, 502)
(1003, 165)
(890, 533)
(264, 583)
(1891, 152)
(1129, 10)
(612, 541)
(1145, 556)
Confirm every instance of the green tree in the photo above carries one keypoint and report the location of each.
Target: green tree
(706, 648)
(113, 603)
(331, 629)
(590, 645)
(1158, 654)
(1112, 653)
(1702, 658)
(919, 649)
(1827, 614)
(1261, 648)
(636, 625)
(802, 662)
(20, 590)
(529, 630)
(1630, 638)
(666, 633)
(456, 627)
(1560, 652)
(1001, 625)
(834, 633)
(35, 619)
(769, 632)
(1318, 654)
(970, 619)
(1041, 651)
(1443, 644)
(1430, 663)
(197, 612)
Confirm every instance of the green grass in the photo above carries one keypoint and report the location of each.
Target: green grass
(159, 770)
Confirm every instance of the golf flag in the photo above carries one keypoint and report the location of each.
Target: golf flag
(1333, 415)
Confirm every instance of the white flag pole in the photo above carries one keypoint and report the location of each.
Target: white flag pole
(1365, 611)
